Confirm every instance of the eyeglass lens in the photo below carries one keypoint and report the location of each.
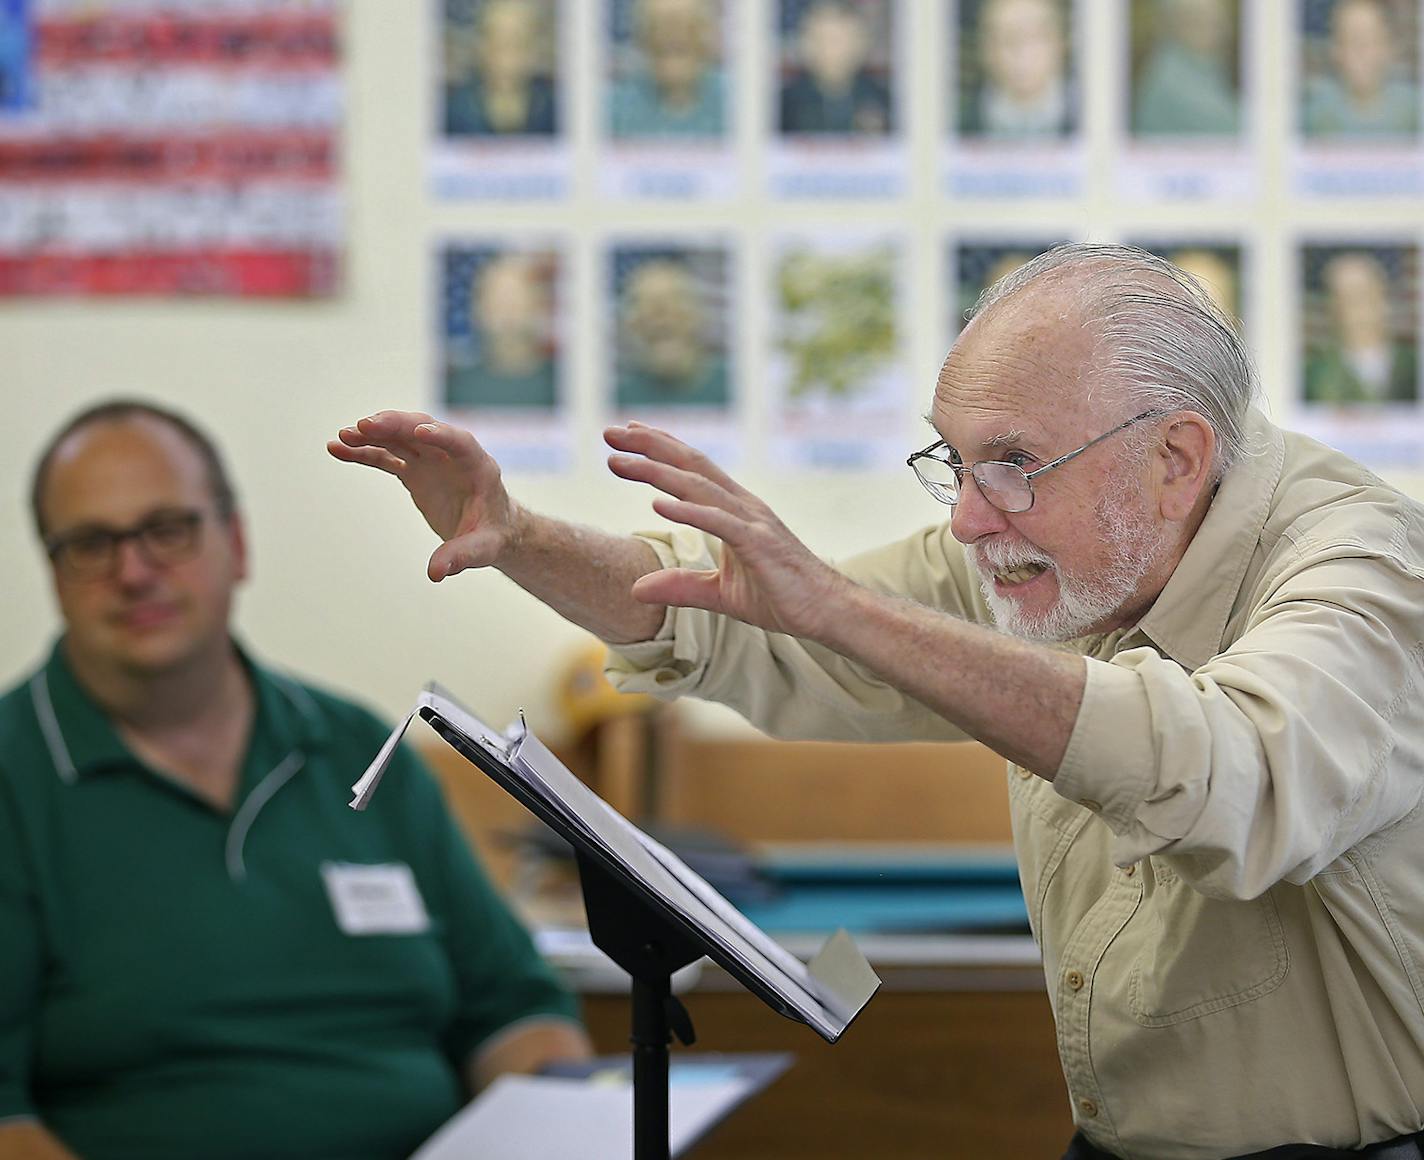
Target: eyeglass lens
(1003, 484)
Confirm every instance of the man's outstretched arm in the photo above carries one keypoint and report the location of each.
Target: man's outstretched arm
(1019, 698)
(584, 574)
(615, 587)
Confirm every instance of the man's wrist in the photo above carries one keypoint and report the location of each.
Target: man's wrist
(517, 535)
(843, 605)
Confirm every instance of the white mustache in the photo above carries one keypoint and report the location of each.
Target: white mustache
(998, 556)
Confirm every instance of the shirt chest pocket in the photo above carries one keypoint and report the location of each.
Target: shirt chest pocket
(1201, 955)
(1045, 827)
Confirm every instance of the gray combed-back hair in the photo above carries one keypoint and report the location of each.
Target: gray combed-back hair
(1161, 337)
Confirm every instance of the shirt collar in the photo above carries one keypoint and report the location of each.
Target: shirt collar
(82, 739)
(1188, 619)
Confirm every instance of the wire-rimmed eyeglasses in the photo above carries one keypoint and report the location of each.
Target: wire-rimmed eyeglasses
(1005, 485)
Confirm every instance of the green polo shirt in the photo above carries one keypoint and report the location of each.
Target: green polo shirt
(175, 980)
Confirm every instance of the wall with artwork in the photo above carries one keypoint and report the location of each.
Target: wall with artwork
(757, 222)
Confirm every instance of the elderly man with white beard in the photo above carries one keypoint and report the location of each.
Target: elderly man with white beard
(1197, 639)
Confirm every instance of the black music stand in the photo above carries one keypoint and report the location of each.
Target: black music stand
(649, 917)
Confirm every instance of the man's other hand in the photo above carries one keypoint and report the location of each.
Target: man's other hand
(766, 577)
(452, 479)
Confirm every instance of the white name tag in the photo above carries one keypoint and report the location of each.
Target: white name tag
(381, 899)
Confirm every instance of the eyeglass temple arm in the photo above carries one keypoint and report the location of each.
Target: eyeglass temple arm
(924, 452)
(1062, 459)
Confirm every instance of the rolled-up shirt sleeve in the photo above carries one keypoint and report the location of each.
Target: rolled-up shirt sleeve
(1278, 754)
(788, 687)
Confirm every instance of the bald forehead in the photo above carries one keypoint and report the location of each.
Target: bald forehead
(1029, 324)
(111, 464)
(1026, 374)
(107, 436)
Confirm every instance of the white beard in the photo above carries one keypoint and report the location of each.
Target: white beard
(1135, 542)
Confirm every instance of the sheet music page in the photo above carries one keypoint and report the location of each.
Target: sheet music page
(432, 696)
(368, 781)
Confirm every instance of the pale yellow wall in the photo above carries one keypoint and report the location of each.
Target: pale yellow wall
(339, 590)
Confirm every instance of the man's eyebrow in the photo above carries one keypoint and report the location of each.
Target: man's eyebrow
(1003, 439)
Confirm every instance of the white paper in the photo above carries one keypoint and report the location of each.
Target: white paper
(521, 1117)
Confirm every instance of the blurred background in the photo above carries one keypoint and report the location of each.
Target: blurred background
(759, 222)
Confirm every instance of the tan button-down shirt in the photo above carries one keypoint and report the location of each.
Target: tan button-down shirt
(1226, 877)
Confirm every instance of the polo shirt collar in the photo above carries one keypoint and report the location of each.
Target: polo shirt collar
(287, 715)
(1188, 619)
(80, 737)
(83, 741)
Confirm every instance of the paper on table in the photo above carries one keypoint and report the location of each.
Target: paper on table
(534, 1117)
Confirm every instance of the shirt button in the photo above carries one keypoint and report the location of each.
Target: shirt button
(1074, 979)
(1022, 772)
(1088, 1108)
(1090, 804)
(1129, 871)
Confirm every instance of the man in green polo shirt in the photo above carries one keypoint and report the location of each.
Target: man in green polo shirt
(205, 952)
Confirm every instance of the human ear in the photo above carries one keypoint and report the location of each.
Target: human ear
(1184, 460)
(237, 544)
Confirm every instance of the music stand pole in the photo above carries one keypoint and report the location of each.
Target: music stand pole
(650, 949)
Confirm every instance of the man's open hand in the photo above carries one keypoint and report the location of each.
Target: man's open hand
(766, 577)
(452, 479)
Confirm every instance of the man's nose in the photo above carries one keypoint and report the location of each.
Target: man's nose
(132, 565)
(974, 516)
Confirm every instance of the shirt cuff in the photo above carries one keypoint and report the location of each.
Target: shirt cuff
(672, 663)
(1109, 765)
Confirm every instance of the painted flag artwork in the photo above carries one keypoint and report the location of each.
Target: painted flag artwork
(182, 147)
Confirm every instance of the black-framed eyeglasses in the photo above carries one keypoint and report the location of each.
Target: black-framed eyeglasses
(91, 552)
(1005, 485)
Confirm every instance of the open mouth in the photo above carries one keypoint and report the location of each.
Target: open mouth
(1011, 577)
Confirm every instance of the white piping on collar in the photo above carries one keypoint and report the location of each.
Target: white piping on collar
(276, 777)
(49, 726)
(298, 696)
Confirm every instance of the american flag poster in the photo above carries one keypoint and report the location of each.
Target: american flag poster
(182, 147)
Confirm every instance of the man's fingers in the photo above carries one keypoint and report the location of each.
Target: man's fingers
(385, 424)
(672, 480)
(377, 457)
(714, 521)
(656, 444)
(472, 550)
(415, 437)
(679, 587)
(393, 430)
(453, 441)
